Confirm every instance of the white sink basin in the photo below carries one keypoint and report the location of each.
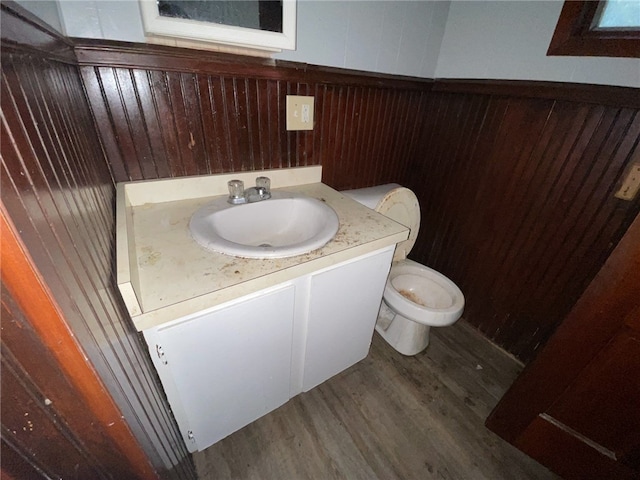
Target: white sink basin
(286, 225)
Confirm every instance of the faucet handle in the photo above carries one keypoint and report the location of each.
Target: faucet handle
(264, 182)
(236, 191)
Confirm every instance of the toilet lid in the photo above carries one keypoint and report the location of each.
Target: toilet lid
(401, 205)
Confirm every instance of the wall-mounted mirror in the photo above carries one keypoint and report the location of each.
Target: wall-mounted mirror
(264, 24)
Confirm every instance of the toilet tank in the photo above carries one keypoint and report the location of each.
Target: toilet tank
(396, 202)
(371, 196)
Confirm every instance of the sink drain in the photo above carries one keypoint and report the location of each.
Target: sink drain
(264, 245)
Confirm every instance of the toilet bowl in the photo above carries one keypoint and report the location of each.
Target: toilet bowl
(415, 297)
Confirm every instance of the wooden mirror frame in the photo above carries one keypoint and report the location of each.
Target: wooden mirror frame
(573, 35)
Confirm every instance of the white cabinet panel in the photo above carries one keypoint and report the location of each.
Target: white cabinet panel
(343, 308)
(226, 368)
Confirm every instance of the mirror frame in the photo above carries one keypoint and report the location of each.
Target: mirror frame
(155, 24)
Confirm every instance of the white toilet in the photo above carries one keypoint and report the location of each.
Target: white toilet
(416, 297)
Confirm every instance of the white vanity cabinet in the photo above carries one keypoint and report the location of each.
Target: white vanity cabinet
(234, 338)
(343, 309)
(227, 367)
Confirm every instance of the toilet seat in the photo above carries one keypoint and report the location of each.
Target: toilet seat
(415, 297)
(423, 294)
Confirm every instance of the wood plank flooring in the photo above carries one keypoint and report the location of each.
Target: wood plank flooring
(388, 417)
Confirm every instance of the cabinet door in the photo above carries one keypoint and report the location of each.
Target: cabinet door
(343, 309)
(224, 369)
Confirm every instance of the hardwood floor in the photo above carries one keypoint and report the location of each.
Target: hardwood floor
(388, 417)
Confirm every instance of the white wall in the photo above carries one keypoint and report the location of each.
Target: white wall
(398, 37)
(429, 38)
(46, 10)
(509, 40)
(106, 19)
(391, 36)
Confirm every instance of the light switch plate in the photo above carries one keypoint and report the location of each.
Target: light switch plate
(299, 112)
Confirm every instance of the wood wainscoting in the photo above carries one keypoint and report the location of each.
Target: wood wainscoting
(515, 179)
(165, 112)
(58, 192)
(58, 421)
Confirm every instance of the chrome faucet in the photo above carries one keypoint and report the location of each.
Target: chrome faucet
(238, 195)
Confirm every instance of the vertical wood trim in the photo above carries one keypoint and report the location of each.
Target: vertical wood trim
(32, 295)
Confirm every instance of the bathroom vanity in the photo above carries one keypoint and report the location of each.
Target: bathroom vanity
(234, 338)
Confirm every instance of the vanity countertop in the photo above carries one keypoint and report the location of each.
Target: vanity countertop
(163, 274)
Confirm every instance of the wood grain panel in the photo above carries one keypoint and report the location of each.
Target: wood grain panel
(32, 309)
(34, 374)
(575, 407)
(568, 456)
(34, 426)
(575, 92)
(608, 307)
(518, 207)
(170, 124)
(58, 191)
(608, 381)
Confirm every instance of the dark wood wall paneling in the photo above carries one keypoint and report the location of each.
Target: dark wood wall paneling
(46, 426)
(169, 112)
(518, 203)
(59, 193)
(515, 179)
